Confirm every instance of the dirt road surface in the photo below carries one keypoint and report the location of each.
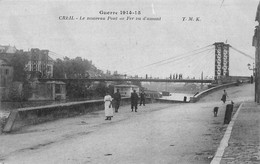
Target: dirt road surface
(157, 133)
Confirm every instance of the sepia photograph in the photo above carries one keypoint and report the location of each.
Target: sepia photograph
(129, 82)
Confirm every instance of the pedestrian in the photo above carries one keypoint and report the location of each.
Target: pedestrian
(134, 100)
(251, 79)
(117, 100)
(108, 106)
(224, 97)
(142, 98)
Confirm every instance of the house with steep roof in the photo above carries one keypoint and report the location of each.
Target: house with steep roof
(40, 62)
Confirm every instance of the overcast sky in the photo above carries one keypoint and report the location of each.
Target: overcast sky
(125, 45)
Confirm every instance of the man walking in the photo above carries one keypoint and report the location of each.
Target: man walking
(134, 101)
(117, 99)
(142, 98)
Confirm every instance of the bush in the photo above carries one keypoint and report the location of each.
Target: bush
(3, 121)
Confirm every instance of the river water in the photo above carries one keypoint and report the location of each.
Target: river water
(178, 96)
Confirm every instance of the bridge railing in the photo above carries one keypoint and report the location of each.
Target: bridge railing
(202, 94)
(133, 80)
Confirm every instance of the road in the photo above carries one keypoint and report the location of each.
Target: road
(157, 133)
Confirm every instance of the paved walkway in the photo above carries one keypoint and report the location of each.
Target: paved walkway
(67, 128)
(242, 145)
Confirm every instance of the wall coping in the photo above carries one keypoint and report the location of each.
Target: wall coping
(205, 92)
(63, 104)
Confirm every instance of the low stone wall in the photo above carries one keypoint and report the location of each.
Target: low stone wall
(35, 115)
(210, 90)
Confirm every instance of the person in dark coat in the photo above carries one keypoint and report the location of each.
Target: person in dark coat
(134, 101)
(251, 79)
(224, 97)
(142, 98)
(117, 100)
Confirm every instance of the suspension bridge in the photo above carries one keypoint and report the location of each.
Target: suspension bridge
(216, 60)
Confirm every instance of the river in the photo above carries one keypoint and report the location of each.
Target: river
(178, 96)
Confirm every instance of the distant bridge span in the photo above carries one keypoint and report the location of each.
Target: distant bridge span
(132, 80)
(221, 70)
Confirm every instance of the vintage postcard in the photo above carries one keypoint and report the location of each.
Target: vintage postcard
(125, 81)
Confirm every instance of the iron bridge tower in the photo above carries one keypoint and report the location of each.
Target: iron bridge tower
(221, 60)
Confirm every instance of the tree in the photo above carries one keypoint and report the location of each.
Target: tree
(19, 61)
(73, 68)
(81, 68)
(101, 89)
(58, 69)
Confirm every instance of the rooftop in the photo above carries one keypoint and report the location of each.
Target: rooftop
(7, 49)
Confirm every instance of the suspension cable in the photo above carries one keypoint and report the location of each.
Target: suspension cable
(195, 54)
(167, 59)
(200, 66)
(241, 52)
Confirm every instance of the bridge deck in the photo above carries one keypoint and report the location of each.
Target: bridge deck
(134, 80)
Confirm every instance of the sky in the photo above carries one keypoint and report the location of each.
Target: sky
(129, 46)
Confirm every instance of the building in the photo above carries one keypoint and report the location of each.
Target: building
(40, 62)
(126, 90)
(50, 90)
(39, 65)
(6, 78)
(256, 44)
(8, 49)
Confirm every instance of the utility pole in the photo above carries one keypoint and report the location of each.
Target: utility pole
(257, 92)
(201, 80)
(257, 75)
(254, 77)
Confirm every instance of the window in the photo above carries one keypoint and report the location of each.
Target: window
(4, 82)
(7, 71)
(34, 67)
(48, 68)
(57, 88)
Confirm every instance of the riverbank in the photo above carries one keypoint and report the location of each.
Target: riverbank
(162, 133)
